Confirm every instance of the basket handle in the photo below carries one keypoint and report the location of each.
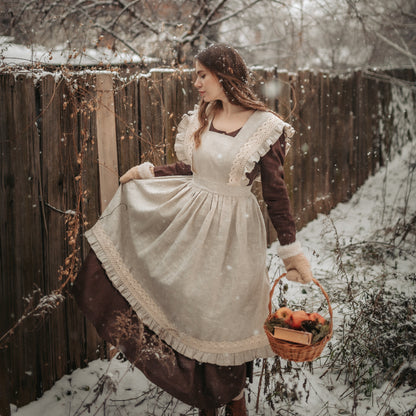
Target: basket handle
(314, 281)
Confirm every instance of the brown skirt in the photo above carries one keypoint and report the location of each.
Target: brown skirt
(202, 385)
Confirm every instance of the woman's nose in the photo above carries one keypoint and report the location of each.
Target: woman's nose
(197, 83)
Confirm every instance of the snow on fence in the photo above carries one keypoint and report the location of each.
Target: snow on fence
(56, 136)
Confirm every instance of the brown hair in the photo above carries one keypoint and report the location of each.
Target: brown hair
(232, 72)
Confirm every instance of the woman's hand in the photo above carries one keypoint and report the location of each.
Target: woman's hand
(131, 174)
(143, 171)
(298, 269)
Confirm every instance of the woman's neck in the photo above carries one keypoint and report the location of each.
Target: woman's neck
(231, 117)
(229, 110)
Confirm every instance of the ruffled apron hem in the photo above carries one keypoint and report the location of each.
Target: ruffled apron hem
(219, 353)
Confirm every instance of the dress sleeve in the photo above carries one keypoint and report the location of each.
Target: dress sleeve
(184, 142)
(275, 193)
(178, 168)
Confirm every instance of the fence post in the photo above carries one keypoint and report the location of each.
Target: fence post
(106, 139)
(4, 390)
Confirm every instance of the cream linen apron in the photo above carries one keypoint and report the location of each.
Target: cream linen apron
(188, 253)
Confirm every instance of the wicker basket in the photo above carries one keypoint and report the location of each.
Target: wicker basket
(297, 352)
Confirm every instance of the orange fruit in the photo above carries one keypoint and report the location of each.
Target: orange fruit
(317, 317)
(297, 318)
(284, 313)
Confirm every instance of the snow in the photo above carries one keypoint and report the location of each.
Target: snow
(15, 54)
(116, 388)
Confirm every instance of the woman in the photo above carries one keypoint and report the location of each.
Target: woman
(181, 270)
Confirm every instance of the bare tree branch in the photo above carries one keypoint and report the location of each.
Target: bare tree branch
(191, 37)
(144, 22)
(25, 7)
(412, 61)
(116, 18)
(268, 42)
(405, 52)
(126, 44)
(233, 14)
(112, 33)
(407, 14)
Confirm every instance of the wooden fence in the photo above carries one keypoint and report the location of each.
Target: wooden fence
(51, 167)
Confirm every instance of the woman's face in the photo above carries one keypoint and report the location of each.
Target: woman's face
(208, 84)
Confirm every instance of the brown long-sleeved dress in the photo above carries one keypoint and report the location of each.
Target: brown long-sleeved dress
(177, 277)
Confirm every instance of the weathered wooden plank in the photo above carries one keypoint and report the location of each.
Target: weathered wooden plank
(191, 92)
(314, 145)
(311, 118)
(284, 109)
(179, 100)
(186, 97)
(29, 270)
(374, 122)
(325, 136)
(106, 138)
(126, 104)
(353, 147)
(284, 103)
(365, 127)
(317, 148)
(152, 144)
(147, 119)
(7, 256)
(306, 176)
(25, 246)
(345, 139)
(269, 88)
(334, 172)
(85, 102)
(54, 172)
(340, 172)
(365, 134)
(71, 152)
(181, 105)
(4, 391)
(324, 197)
(359, 112)
(169, 105)
(296, 152)
(348, 132)
(259, 87)
(87, 139)
(386, 121)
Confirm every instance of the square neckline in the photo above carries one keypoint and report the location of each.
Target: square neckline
(230, 134)
(213, 129)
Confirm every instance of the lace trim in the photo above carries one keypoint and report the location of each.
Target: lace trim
(184, 143)
(220, 353)
(126, 281)
(257, 146)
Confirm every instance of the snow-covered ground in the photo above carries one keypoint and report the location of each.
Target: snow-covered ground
(334, 245)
